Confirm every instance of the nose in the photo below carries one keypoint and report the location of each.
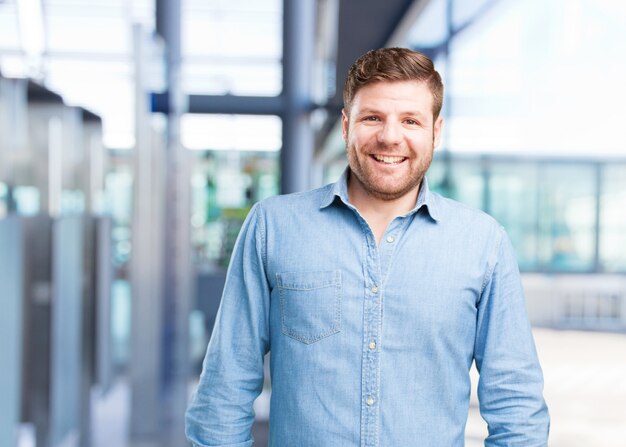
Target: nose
(390, 133)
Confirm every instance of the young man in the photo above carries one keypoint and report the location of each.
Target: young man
(374, 295)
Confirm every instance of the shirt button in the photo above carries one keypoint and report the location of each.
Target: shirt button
(369, 401)
(372, 345)
(374, 289)
(390, 239)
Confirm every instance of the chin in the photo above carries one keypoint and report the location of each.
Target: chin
(391, 193)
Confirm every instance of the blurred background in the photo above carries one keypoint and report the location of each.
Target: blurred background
(135, 135)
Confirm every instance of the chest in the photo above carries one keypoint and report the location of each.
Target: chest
(416, 282)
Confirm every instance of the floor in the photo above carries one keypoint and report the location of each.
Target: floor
(585, 387)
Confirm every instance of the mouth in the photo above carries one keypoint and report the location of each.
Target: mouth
(388, 159)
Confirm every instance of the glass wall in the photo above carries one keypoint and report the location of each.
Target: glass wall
(119, 202)
(612, 234)
(566, 217)
(561, 216)
(529, 77)
(236, 164)
(225, 184)
(533, 112)
(513, 199)
(232, 47)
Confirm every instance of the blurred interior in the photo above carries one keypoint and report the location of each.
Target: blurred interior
(136, 135)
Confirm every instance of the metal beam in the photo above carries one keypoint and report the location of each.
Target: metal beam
(244, 105)
(168, 26)
(228, 104)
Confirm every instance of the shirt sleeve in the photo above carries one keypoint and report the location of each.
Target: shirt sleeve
(220, 412)
(510, 387)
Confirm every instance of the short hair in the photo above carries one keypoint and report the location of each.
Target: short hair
(393, 64)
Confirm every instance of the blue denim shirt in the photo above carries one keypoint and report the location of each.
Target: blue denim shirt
(370, 345)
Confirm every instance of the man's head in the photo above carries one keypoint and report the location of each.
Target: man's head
(391, 123)
(393, 64)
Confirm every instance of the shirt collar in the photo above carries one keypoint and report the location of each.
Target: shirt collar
(426, 198)
(338, 189)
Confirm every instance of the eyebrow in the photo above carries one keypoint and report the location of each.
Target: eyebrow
(370, 111)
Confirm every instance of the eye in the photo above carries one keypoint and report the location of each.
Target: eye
(411, 122)
(371, 118)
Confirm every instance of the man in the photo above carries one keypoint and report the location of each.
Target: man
(374, 295)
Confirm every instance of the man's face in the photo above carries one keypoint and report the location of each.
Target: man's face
(390, 137)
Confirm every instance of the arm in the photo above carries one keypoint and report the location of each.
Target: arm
(220, 413)
(511, 382)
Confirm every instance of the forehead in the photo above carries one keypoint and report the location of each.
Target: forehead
(396, 95)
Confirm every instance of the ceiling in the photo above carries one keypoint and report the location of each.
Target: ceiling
(228, 46)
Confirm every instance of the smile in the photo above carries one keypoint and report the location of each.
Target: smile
(388, 159)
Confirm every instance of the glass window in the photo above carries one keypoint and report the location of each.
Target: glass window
(613, 219)
(436, 174)
(27, 200)
(431, 27)
(231, 132)
(513, 195)
(465, 182)
(68, 32)
(88, 58)
(119, 198)
(567, 210)
(516, 82)
(463, 11)
(225, 184)
(249, 77)
(104, 88)
(232, 47)
(9, 31)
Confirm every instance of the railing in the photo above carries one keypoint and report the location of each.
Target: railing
(590, 302)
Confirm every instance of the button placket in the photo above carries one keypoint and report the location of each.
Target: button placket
(371, 367)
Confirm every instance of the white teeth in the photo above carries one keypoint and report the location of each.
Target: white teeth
(388, 159)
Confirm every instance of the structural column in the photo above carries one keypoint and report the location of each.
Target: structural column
(177, 270)
(298, 56)
(147, 291)
(11, 344)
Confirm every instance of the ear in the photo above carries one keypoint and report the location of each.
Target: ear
(344, 125)
(437, 128)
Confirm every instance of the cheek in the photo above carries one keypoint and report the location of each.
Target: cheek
(362, 138)
(423, 142)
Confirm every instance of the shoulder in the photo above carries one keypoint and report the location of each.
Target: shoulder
(471, 224)
(294, 202)
(452, 210)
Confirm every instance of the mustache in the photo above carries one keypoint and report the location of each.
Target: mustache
(385, 149)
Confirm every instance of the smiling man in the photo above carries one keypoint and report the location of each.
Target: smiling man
(391, 129)
(374, 295)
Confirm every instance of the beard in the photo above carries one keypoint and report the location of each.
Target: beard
(380, 185)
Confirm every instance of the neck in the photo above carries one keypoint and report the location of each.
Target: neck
(376, 211)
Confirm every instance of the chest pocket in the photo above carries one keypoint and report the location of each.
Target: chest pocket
(310, 304)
